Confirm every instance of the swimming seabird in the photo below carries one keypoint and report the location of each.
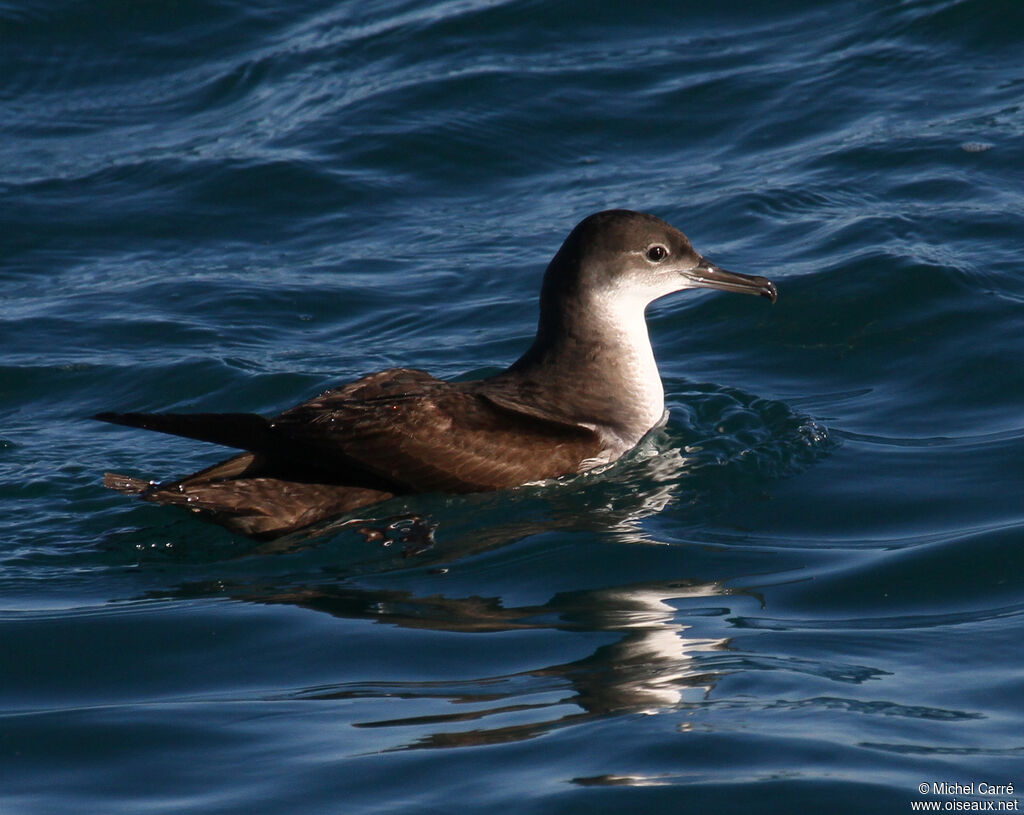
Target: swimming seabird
(585, 392)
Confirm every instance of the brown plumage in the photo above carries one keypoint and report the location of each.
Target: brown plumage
(584, 393)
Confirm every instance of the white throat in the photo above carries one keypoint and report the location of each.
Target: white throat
(621, 318)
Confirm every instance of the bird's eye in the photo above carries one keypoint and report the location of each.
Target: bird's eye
(657, 253)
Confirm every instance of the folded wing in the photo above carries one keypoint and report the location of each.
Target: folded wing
(401, 429)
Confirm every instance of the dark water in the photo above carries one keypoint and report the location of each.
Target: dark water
(806, 594)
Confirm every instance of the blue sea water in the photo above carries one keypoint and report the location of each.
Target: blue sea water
(805, 594)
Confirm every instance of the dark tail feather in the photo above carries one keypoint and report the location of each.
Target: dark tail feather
(246, 431)
(126, 483)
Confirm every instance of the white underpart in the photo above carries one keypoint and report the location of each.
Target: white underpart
(620, 313)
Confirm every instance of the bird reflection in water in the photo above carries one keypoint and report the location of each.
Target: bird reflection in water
(652, 664)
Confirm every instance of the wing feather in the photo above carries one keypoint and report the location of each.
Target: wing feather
(399, 430)
(429, 435)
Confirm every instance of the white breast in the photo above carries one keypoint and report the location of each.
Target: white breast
(620, 317)
(624, 324)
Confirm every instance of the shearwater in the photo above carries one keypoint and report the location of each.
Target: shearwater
(585, 392)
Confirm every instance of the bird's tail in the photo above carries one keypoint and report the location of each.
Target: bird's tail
(126, 483)
(245, 431)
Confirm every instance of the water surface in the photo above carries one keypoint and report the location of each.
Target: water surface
(806, 593)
